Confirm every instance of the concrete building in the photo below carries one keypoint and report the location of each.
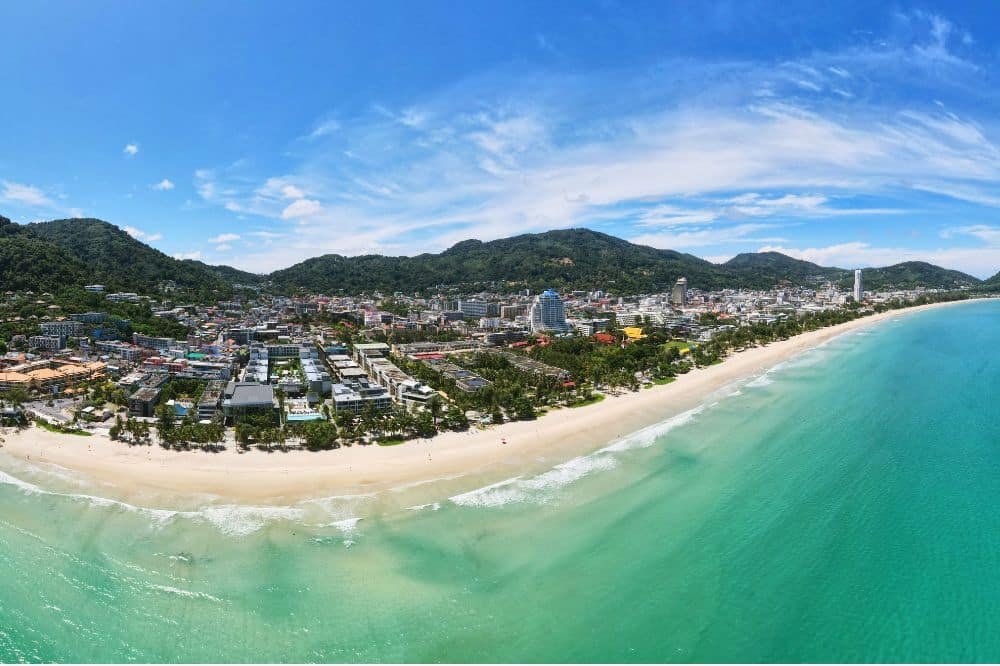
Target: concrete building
(354, 397)
(548, 313)
(143, 401)
(473, 308)
(122, 350)
(590, 326)
(90, 317)
(64, 328)
(123, 297)
(678, 295)
(47, 342)
(859, 288)
(512, 312)
(242, 398)
(150, 342)
(208, 403)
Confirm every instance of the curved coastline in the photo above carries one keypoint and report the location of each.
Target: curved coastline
(478, 457)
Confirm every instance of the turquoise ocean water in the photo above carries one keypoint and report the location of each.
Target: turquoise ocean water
(843, 507)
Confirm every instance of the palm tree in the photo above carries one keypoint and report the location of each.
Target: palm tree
(435, 407)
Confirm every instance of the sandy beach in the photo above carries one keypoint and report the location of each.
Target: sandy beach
(484, 455)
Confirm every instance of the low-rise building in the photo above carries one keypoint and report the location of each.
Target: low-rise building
(243, 398)
(211, 397)
(47, 342)
(143, 401)
(64, 328)
(355, 396)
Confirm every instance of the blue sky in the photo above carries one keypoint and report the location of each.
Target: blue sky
(260, 134)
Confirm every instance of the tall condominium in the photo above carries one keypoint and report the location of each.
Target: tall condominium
(548, 313)
(859, 289)
(679, 294)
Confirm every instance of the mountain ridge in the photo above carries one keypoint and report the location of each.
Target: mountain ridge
(46, 255)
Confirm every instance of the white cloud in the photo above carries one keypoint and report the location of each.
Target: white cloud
(301, 208)
(27, 195)
(222, 247)
(139, 234)
(131, 149)
(76, 212)
(224, 238)
(196, 255)
(280, 188)
(324, 128)
(662, 156)
(987, 234)
(164, 184)
(681, 240)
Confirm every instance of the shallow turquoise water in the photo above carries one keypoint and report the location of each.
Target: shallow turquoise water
(841, 508)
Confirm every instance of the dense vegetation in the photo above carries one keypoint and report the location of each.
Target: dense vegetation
(47, 255)
(992, 284)
(584, 259)
(30, 263)
(119, 260)
(912, 274)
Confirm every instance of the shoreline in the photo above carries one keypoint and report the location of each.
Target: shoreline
(284, 478)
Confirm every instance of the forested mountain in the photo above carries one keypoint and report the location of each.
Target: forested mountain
(47, 255)
(30, 263)
(767, 268)
(229, 274)
(912, 274)
(585, 259)
(116, 258)
(574, 258)
(992, 283)
(764, 269)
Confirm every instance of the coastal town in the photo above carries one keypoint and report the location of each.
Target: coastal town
(266, 371)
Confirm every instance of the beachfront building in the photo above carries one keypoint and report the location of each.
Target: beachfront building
(143, 402)
(50, 375)
(353, 397)
(241, 398)
(548, 313)
(859, 289)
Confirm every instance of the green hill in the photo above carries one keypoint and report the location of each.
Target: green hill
(48, 255)
(585, 259)
(766, 269)
(229, 274)
(912, 274)
(564, 259)
(28, 263)
(120, 260)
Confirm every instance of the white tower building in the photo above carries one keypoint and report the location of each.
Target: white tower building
(548, 313)
(859, 289)
(678, 295)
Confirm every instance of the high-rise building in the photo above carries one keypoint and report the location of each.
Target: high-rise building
(859, 289)
(679, 294)
(548, 313)
(473, 308)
